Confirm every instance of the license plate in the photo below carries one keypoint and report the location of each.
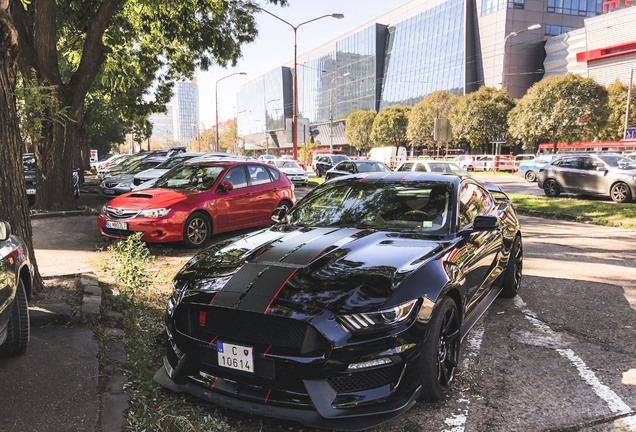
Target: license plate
(30, 191)
(237, 357)
(109, 191)
(117, 225)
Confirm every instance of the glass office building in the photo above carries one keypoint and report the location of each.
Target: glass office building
(420, 47)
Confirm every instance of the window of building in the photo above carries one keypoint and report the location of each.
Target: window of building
(555, 30)
(588, 8)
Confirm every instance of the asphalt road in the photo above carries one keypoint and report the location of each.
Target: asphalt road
(559, 357)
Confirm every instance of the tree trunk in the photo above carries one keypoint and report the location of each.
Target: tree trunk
(14, 207)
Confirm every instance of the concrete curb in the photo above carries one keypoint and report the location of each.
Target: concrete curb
(115, 401)
(85, 212)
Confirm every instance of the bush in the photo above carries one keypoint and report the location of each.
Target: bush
(129, 266)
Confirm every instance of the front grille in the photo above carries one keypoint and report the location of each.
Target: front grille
(286, 336)
(116, 232)
(110, 184)
(365, 379)
(120, 213)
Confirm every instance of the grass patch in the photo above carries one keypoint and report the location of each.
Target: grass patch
(315, 181)
(582, 210)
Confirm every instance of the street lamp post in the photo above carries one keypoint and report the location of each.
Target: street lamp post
(503, 58)
(331, 110)
(216, 96)
(295, 114)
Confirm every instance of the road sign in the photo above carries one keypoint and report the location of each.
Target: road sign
(630, 133)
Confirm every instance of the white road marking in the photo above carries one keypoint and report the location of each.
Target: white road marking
(613, 401)
(457, 422)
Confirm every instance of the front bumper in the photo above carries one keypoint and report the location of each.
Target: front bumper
(361, 420)
(154, 230)
(311, 384)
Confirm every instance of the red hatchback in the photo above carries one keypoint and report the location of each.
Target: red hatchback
(196, 200)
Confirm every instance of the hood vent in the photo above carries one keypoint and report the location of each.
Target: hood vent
(140, 195)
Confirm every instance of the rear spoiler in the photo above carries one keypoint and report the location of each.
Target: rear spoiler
(496, 192)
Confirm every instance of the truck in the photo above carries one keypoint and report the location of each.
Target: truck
(391, 156)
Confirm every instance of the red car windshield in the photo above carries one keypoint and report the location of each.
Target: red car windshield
(190, 177)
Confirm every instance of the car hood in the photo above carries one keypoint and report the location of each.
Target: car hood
(286, 270)
(292, 170)
(151, 173)
(151, 198)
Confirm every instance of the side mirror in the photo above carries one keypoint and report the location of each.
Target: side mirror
(227, 186)
(279, 213)
(601, 169)
(5, 230)
(482, 223)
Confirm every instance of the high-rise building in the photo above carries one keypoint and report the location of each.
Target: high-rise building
(181, 121)
(402, 56)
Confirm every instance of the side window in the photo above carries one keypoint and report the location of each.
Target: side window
(420, 167)
(347, 166)
(473, 201)
(572, 163)
(592, 164)
(274, 174)
(406, 166)
(258, 175)
(237, 177)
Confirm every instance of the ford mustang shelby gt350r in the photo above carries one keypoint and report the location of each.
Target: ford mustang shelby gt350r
(351, 307)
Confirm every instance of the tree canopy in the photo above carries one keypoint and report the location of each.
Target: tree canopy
(422, 117)
(564, 108)
(481, 117)
(358, 129)
(389, 126)
(617, 104)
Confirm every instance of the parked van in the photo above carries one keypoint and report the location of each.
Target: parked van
(391, 156)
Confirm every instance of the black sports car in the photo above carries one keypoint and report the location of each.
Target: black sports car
(351, 307)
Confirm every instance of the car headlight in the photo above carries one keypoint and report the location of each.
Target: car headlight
(383, 318)
(154, 213)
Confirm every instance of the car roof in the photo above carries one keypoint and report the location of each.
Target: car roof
(404, 177)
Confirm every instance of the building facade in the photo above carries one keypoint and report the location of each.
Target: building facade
(181, 121)
(402, 56)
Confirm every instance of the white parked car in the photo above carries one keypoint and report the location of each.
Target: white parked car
(433, 166)
(292, 170)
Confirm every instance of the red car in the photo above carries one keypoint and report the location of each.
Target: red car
(196, 200)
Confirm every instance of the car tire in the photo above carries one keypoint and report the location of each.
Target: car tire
(531, 176)
(440, 352)
(197, 230)
(551, 188)
(18, 327)
(514, 269)
(620, 193)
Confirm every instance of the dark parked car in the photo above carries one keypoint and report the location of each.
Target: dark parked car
(607, 175)
(324, 162)
(16, 276)
(354, 167)
(351, 308)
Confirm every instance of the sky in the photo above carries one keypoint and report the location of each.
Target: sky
(274, 46)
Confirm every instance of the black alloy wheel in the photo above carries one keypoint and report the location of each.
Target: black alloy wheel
(514, 269)
(551, 188)
(18, 328)
(531, 176)
(196, 230)
(620, 193)
(440, 352)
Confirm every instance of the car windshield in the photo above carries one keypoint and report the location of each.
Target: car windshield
(412, 207)
(173, 162)
(190, 177)
(619, 162)
(286, 164)
(372, 167)
(339, 158)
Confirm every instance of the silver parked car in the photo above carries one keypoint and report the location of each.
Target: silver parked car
(433, 166)
(590, 174)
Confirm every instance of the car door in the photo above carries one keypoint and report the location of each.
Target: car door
(570, 174)
(233, 208)
(479, 249)
(264, 196)
(594, 180)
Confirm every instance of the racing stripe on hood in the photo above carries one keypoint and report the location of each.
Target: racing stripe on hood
(281, 249)
(311, 250)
